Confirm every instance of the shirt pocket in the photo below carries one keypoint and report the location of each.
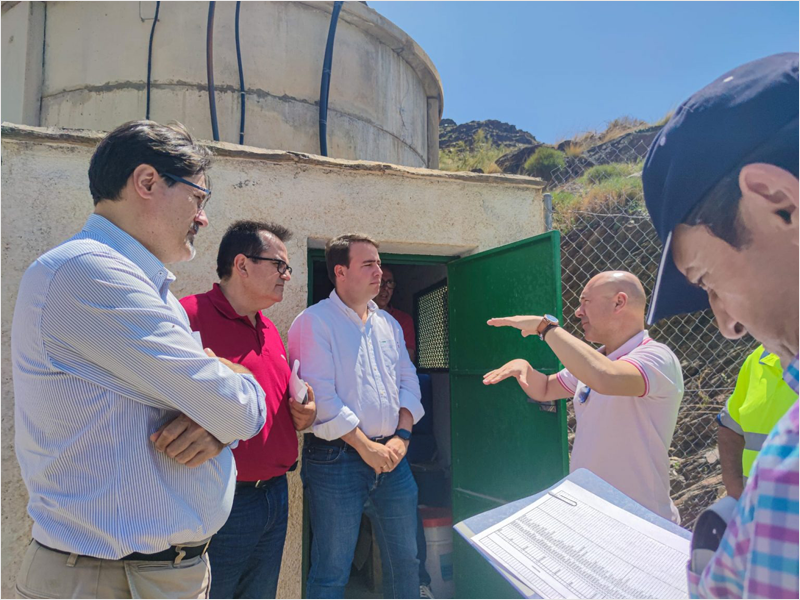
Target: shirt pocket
(389, 352)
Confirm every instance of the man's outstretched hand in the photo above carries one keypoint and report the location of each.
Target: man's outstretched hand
(517, 368)
(527, 324)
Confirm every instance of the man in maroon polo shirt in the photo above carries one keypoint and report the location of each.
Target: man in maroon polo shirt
(384, 299)
(253, 267)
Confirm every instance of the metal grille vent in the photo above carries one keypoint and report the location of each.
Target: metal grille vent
(430, 309)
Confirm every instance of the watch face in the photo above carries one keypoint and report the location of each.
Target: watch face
(551, 319)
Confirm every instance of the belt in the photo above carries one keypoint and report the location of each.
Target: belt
(309, 439)
(260, 483)
(173, 554)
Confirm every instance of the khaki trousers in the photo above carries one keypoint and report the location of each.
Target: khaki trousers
(48, 574)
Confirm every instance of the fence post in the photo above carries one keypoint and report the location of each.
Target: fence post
(548, 226)
(548, 212)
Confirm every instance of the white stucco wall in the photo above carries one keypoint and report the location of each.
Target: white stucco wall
(46, 200)
(385, 93)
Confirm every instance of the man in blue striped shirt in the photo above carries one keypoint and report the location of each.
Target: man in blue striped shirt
(121, 418)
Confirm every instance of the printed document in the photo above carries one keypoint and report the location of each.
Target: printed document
(571, 543)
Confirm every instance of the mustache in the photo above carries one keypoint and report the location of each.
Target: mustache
(195, 228)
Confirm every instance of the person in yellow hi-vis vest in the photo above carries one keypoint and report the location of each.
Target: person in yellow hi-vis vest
(760, 399)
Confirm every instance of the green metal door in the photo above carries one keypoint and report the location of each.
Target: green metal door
(503, 447)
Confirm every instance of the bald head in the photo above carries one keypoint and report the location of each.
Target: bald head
(611, 283)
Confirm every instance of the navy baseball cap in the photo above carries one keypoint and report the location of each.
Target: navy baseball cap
(709, 135)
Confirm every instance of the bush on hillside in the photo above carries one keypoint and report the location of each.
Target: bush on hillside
(600, 173)
(613, 191)
(543, 162)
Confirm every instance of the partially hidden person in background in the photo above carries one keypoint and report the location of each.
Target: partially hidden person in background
(384, 302)
(758, 402)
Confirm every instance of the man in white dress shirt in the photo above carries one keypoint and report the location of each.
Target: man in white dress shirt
(368, 398)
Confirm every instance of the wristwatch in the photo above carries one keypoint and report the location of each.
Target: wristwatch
(403, 434)
(548, 322)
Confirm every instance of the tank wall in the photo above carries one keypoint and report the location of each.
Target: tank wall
(95, 71)
(22, 44)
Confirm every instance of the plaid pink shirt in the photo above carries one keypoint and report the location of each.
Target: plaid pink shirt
(758, 555)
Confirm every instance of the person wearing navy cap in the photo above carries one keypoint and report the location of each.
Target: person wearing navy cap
(721, 185)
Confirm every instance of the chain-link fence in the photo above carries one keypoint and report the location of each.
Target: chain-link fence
(599, 210)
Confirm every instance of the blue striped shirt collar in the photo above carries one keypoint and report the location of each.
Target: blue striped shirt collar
(103, 230)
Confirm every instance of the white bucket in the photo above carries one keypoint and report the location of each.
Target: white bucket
(438, 526)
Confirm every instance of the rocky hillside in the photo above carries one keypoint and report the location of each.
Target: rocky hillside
(496, 147)
(501, 134)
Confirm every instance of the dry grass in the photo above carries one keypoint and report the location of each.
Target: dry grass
(581, 142)
(663, 120)
(573, 150)
(617, 191)
(622, 126)
(482, 155)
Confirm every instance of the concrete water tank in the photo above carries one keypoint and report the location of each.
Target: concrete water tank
(91, 73)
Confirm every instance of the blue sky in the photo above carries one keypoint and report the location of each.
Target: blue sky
(560, 68)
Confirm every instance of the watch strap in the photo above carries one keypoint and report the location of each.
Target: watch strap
(547, 330)
(403, 434)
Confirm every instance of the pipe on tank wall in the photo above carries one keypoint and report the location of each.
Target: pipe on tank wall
(150, 59)
(241, 75)
(325, 86)
(212, 101)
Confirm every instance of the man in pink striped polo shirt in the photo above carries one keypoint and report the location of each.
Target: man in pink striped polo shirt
(626, 394)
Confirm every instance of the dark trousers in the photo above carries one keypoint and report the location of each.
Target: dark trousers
(246, 553)
(340, 487)
(422, 552)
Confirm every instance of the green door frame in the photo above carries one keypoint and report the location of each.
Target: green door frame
(318, 255)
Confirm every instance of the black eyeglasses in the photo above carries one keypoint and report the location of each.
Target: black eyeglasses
(389, 284)
(282, 267)
(207, 192)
